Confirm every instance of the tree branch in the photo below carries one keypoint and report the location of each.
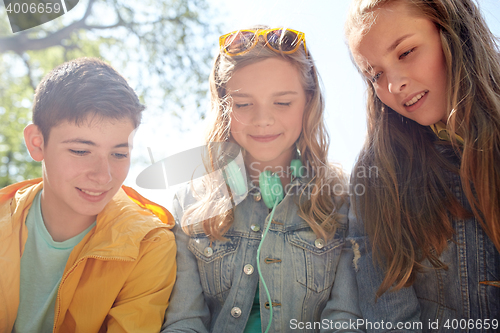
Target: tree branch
(28, 67)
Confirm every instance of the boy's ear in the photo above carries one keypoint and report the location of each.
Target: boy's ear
(34, 141)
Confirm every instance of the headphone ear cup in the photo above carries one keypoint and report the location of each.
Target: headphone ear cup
(234, 178)
(271, 188)
(296, 168)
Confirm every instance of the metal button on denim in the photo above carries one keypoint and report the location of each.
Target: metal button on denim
(319, 243)
(248, 269)
(236, 312)
(208, 252)
(255, 227)
(257, 197)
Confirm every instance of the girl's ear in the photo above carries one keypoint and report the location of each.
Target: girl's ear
(34, 141)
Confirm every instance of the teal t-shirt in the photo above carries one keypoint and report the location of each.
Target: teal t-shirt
(254, 322)
(42, 267)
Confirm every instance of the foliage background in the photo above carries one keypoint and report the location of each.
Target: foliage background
(156, 44)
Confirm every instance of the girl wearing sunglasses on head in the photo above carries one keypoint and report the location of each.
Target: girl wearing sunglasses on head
(277, 261)
(432, 214)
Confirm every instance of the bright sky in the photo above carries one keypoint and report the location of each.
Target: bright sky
(322, 22)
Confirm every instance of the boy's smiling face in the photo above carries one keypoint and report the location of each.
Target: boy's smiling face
(83, 166)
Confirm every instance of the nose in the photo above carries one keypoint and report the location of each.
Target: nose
(263, 116)
(101, 171)
(396, 83)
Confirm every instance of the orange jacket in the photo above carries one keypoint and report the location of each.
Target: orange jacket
(117, 279)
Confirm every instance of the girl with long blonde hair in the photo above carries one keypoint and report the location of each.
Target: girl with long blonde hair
(428, 225)
(253, 260)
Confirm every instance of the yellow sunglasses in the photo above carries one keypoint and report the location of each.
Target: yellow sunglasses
(280, 40)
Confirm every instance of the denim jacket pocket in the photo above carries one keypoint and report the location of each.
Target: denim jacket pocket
(315, 261)
(215, 262)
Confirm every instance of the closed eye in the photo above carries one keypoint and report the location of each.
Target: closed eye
(375, 78)
(405, 54)
(120, 155)
(79, 152)
(241, 105)
(283, 103)
(368, 74)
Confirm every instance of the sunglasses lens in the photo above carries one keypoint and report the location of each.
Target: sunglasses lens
(239, 42)
(283, 40)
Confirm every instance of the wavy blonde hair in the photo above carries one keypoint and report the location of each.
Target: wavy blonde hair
(320, 211)
(406, 209)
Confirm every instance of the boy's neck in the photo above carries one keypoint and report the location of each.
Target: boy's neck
(60, 224)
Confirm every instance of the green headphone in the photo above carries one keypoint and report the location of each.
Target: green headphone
(271, 188)
(272, 193)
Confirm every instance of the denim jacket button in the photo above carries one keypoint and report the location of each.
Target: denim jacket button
(208, 252)
(248, 269)
(319, 243)
(255, 227)
(236, 312)
(257, 197)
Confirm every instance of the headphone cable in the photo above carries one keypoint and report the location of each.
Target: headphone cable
(258, 266)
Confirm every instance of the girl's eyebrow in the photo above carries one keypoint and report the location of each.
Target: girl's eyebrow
(398, 41)
(289, 92)
(368, 68)
(238, 94)
(280, 93)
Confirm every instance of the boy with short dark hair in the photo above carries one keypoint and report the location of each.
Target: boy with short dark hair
(79, 252)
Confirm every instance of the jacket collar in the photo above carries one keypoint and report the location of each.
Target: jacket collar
(443, 133)
(124, 222)
(15, 201)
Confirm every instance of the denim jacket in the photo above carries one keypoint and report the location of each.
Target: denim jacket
(463, 298)
(311, 282)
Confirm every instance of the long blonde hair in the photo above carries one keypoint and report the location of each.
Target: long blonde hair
(406, 209)
(320, 211)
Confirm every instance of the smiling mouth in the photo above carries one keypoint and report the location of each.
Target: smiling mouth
(415, 99)
(94, 194)
(264, 138)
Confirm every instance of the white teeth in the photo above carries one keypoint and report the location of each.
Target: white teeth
(95, 194)
(415, 99)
